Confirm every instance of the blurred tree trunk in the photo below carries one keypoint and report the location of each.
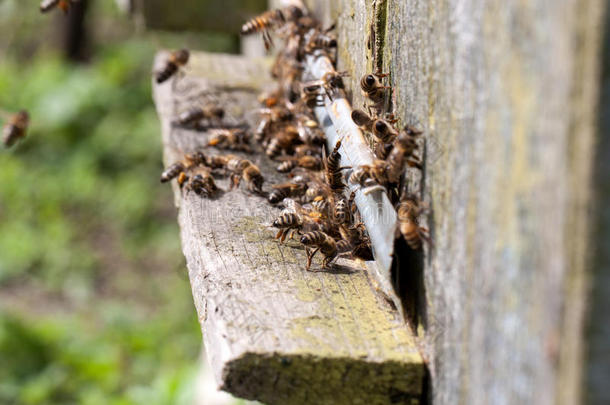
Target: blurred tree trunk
(75, 40)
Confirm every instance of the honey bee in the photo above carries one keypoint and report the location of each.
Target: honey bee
(307, 150)
(269, 99)
(409, 210)
(383, 130)
(288, 223)
(372, 88)
(233, 139)
(402, 152)
(322, 205)
(271, 118)
(63, 5)
(320, 40)
(307, 162)
(343, 246)
(324, 243)
(201, 182)
(332, 166)
(344, 210)
(263, 23)
(176, 169)
(294, 188)
(330, 82)
(311, 96)
(175, 60)
(370, 176)
(243, 168)
(219, 161)
(195, 114)
(358, 240)
(182, 179)
(172, 171)
(283, 142)
(15, 128)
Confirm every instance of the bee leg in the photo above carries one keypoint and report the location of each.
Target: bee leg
(267, 40)
(329, 29)
(424, 235)
(370, 189)
(328, 93)
(284, 234)
(310, 255)
(279, 233)
(413, 162)
(381, 75)
(327, 260)
(235, 179)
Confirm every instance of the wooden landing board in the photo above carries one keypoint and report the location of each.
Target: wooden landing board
(273, 331)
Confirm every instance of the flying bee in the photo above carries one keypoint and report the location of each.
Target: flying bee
(195, 114)
(402, 153)
(263, 23)
(324, 243)
(175, 61)
(372, 88)
(15, 128)
(332, 169)
(408, 212)
(306, 162)
(287, 190)
(245, 169)
(63, 5)
(283, 142)
(201, 182)
(383, 130)
(232, 139)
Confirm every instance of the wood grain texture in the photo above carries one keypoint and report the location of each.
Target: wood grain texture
(273, 331)
(506, 95)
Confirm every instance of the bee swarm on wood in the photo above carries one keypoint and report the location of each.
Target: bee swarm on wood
(313, 198)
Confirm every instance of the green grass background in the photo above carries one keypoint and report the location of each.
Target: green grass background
(95, 304)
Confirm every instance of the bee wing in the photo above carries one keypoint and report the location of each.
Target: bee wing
(291, 207)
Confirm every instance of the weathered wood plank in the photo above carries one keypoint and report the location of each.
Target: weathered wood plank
(505, 92)
(273, 331)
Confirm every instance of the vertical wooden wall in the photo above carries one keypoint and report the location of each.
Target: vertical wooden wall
(506, 93)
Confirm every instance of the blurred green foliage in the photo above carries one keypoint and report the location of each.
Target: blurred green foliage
(95, 304)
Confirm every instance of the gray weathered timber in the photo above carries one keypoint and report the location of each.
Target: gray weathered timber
(597, 359)
(506, 94)
(274, 331)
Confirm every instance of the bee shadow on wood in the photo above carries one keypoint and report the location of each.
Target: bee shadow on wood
(334, 268)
